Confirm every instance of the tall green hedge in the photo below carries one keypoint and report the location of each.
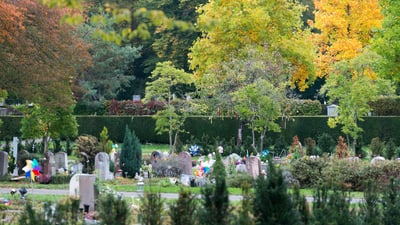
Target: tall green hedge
(221, 127)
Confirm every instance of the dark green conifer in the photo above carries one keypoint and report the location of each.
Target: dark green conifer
(370, 209)
(131, 154)
(181, 211)
(391, 203)
(272, 203)
(151, 209)
(215, 198)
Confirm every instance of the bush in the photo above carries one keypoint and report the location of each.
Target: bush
(376, 147)
(60, 179)
(305, 107)
(308, 171)
(326, 143)
(390, 150)
(310, 145)
(239, 180)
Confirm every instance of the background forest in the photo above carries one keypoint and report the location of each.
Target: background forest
(181, 58)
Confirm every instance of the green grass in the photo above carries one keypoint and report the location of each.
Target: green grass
(149, 148)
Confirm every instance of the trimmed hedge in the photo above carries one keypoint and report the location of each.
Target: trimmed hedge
(221, 127)
(386, 106)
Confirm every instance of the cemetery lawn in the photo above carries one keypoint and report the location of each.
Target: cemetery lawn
(149, 148)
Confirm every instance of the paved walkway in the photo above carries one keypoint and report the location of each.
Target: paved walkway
(34, 191)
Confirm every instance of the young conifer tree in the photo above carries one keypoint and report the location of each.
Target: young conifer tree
(131, 154)
(215, 198)
(181, 211)
(391, 202)
(272, 202)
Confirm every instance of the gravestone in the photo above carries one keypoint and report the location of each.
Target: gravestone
(76, 168)
(82, 186)
(15, 154)
(61, 160)
(117, 165)
(185, 160)
(3, 163)
(253, 165)
(49, 164)
(102, 166)
(377, 159)
(155, 157)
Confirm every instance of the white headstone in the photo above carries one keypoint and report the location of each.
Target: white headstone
(15, 154)
(61, 159)
(3, 163)
(102, 166)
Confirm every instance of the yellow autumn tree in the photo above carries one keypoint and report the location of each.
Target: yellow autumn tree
(345, 28)
(228, 26)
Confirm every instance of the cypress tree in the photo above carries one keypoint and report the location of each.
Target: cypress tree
(390, 203)
(137, 153)
(272, 203)
(370, 210)
(181, 211)
(131, 153)
(215, 198)
(151, 209)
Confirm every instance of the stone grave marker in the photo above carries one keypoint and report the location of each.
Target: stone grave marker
(61, 160)
(185, 159)
(76, 168)
(3, 163)
(155, 157)
(102, 166)
(117, 159)
(253, 165)
(49, 164)
(82, 186)
(15, 154)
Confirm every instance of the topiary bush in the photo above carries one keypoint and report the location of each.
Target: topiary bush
(326, 143)
(376, 146)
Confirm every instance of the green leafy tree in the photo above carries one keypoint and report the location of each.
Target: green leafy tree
(227, 26)
(161, 87)
(353, 84)
(254, 89)
(105, 142)
(131, 153)
(387, 40)
(109, 75)
(259, 103)
(88, 147)
(215, 198)
(45, 123)
(272, 203)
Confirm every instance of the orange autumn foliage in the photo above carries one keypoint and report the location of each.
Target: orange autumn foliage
(11, 18)
(345, 26)
(38, 63)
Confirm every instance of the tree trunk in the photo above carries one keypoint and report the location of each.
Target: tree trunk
(240, 135)
(253, 136)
